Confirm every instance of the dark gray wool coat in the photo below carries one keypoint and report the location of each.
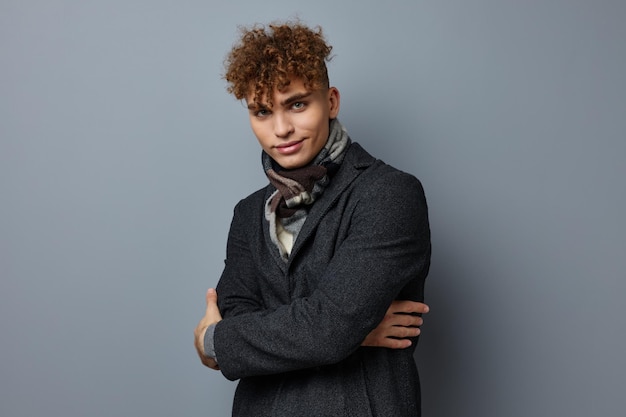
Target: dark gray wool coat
(292, 330)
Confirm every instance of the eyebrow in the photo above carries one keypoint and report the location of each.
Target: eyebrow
(295, 97)
(256, 106)
(289, 100)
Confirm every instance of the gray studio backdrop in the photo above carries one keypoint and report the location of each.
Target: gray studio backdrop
(121, 157)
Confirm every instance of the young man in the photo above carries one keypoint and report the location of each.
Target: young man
(318, 260)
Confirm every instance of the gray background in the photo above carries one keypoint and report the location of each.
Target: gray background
(121, 157)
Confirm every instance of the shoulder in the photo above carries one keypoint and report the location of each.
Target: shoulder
(380, 178)
(254, 201)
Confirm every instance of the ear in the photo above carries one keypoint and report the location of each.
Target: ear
(334, 100)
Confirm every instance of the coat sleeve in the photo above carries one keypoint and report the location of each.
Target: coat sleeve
(240, 293)
(387, 248)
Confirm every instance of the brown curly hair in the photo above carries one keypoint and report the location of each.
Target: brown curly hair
(266, 58)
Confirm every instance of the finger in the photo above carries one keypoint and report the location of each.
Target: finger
(199, 345)
(211, 296)
(405, 320)
(408, 307)
(210, 363)
(211, 301)
(396, 343)
(403, 332)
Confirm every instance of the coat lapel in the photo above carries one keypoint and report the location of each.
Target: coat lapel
(356, 160)
(270, 189)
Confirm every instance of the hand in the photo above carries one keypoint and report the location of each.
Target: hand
(398, 325)
(211, 316)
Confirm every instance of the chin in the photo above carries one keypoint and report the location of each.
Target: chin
(288, 161)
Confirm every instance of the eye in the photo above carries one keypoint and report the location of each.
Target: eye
(299, 105)
(262, 113)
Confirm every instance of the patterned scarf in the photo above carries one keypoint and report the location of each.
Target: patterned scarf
(297, 189)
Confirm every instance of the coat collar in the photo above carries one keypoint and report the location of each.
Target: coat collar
(355, 161)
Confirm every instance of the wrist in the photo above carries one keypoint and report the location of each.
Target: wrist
(209, 345)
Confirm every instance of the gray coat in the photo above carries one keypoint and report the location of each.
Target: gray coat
(292, 330)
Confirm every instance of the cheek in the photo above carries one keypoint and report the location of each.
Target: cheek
(316, 125)
(259, 129)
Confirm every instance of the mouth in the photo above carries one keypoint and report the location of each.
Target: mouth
(290, 147)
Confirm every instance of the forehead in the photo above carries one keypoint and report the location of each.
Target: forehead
(295, 88)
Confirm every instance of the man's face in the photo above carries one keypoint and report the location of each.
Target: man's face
(295, 129)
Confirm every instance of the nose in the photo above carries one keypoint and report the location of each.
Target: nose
(282, 125)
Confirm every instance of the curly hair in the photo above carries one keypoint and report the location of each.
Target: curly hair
(266, 58)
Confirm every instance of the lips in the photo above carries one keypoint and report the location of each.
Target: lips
(289, 148)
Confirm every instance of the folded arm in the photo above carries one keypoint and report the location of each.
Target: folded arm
(400, 324)
(388, 247)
